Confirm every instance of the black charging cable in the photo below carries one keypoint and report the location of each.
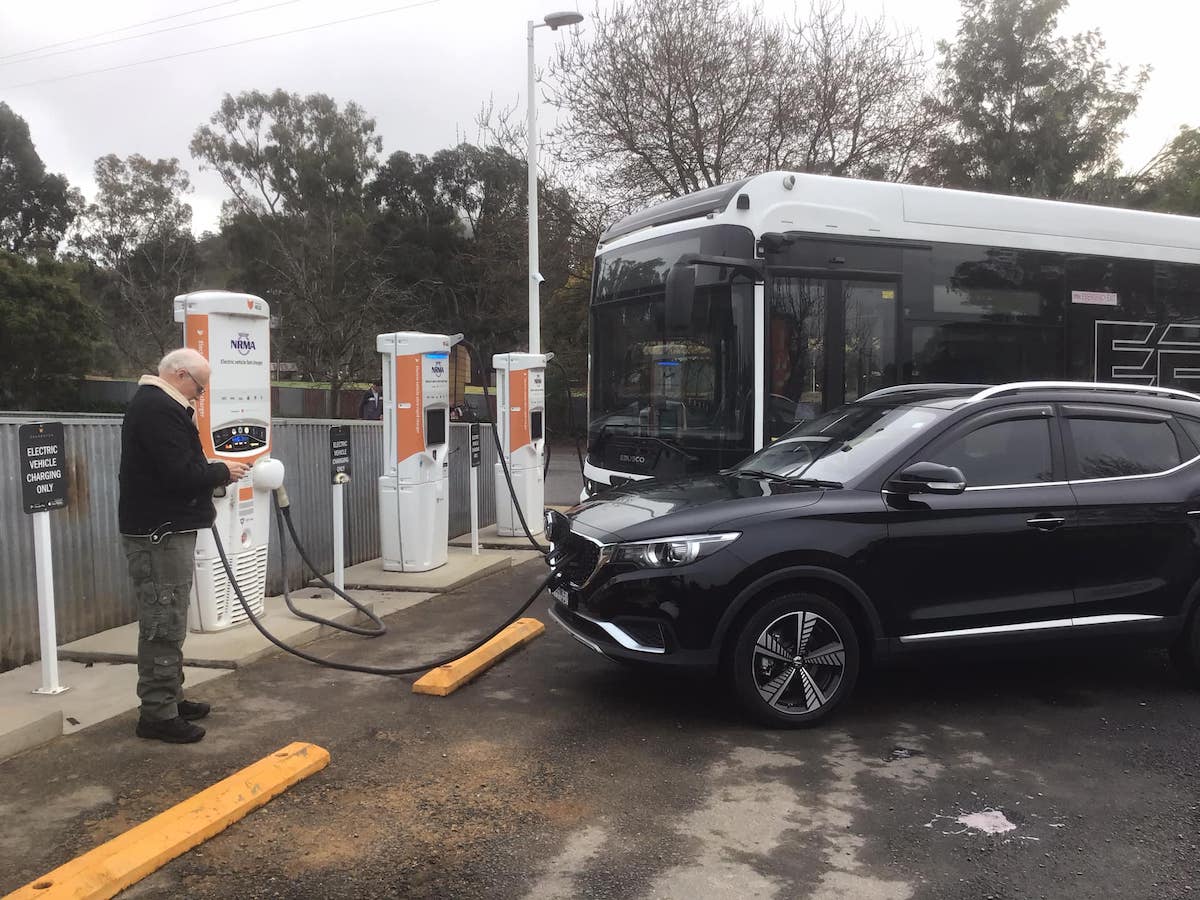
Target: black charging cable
(354, 667)
(283, 515)
(283, 518)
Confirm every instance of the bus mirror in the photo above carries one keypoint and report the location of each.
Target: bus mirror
(681, 292)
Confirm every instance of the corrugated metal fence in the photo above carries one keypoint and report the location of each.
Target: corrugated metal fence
(92, 591)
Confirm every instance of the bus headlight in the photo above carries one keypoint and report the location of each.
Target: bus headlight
(666, 553)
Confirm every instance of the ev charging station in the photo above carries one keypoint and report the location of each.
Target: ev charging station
(414, 501)
(233, 416)
(521, 417)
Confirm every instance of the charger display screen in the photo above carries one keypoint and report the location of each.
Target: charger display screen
(240, 438)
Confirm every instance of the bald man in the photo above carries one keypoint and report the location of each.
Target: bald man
(166, 497)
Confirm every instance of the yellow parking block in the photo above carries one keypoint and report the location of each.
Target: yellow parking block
(448, 678)
(130, 857)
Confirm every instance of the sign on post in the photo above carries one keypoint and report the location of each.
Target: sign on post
(339, 474)
(43, 467)
(475, 446)
(43, 488)
(339, 453)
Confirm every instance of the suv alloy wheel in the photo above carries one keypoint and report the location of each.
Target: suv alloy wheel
(795, 660)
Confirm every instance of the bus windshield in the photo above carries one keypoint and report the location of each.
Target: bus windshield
(688, 386)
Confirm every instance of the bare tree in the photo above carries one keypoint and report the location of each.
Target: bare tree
(666, 97)
(860, 97)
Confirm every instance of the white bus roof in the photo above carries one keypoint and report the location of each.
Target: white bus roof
(846, 207)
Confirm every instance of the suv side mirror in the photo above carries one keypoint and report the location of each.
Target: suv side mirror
(680, 293)
(928, 478)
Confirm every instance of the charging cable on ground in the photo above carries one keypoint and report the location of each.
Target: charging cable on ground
(283, 517)
(284, 511)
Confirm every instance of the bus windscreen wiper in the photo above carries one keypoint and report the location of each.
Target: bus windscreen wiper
(790, 479)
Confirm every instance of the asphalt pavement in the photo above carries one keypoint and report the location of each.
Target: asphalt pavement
(561, 774)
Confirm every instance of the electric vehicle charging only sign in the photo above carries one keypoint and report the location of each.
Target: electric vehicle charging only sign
(474, 446)
(339, 452)
(43, 466)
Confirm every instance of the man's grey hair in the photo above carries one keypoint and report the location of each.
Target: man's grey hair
(177, 360)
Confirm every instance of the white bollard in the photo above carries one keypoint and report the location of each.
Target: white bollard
(46, 624)
(475, 510)
(339, 538)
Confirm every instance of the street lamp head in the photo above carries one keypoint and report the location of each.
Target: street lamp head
(558, 19)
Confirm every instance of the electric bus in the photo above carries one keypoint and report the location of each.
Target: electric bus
(721, 319)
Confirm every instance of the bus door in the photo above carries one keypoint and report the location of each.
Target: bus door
(830, 340)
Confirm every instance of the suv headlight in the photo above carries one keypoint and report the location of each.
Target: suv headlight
(665, 553)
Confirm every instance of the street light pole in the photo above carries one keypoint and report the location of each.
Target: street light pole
(554, 21)
(535, 277)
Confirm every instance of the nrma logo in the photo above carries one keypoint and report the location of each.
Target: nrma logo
(438, 369)
(242, 343)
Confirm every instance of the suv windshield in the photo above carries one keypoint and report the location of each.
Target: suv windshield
(842, 443)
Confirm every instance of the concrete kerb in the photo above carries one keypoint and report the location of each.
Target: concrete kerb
(98, 691)
(242, 645)
(462, 568)
(490, 538)
(24, 728)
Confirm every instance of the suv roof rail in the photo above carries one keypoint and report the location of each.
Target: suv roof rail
(920, 388)
(1082, 386)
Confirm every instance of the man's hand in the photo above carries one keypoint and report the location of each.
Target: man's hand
(236, 470)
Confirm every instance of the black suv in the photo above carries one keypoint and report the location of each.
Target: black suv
(919, 516)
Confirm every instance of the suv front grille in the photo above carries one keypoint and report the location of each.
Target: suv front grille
(582, 556)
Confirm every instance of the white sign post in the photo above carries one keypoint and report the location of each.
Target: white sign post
(43, 488)
(339, 460)
(339, 538)
(475, 490)
(46, 625)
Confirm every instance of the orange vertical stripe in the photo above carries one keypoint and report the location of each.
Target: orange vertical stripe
(198, 338)
(518, 410)
(410, 421)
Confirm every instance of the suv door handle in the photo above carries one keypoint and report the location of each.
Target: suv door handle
(1045, 523)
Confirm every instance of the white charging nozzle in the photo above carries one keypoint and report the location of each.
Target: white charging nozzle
(266, 474)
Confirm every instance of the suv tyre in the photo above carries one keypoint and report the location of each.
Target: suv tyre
(795, 660)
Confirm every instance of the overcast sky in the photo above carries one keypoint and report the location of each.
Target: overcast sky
(423, 71)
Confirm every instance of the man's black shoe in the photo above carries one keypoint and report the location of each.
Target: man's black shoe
(173, 731)
(193, 710)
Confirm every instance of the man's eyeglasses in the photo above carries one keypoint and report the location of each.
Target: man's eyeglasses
(199, 386)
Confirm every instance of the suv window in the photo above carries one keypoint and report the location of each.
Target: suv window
(1192, 427)
(1110, 448)
(1012, 451)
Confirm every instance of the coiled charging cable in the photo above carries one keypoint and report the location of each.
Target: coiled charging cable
(283, 505)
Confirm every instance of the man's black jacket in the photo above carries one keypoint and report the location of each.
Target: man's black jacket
(166, 481)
